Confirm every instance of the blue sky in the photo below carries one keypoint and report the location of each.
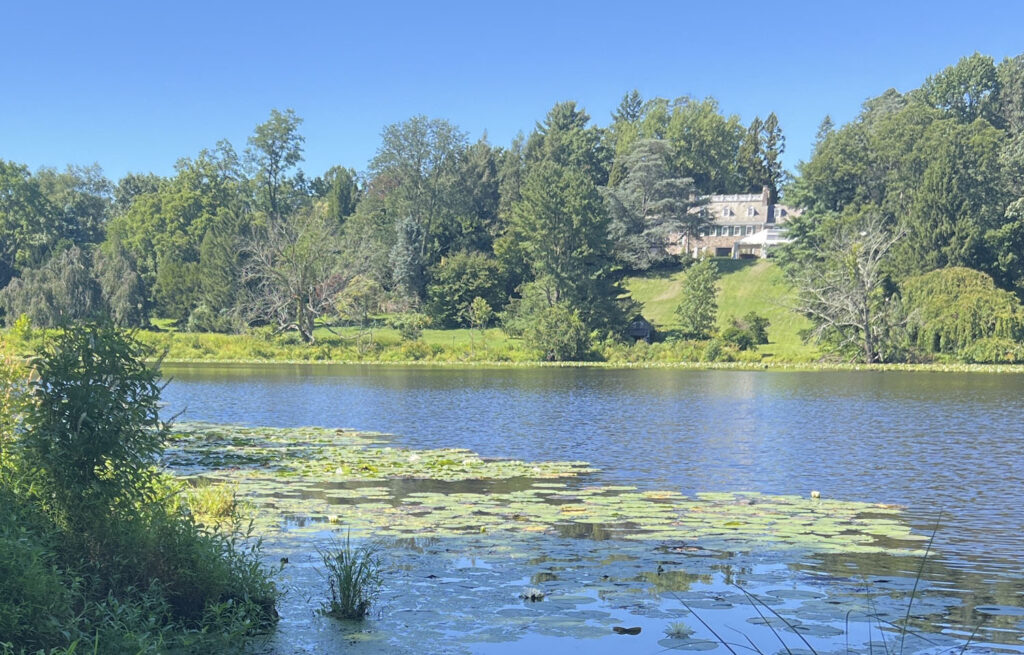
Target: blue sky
(136, 85)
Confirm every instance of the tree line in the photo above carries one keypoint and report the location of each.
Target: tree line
(232, 240)
(912, 241)
(537, 234)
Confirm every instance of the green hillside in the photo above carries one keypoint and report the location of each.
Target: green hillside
(745, 286)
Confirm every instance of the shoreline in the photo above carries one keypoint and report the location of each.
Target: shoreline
(795, 367)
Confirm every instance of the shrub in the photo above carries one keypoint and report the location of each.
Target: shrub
(353, 579)
(86, 521)
(416, 350)
(409, 324)
(34, 603)
(738, 337)
(747, 332)
(717, 351)
(557, 333)
(454, 283)
(92, 431)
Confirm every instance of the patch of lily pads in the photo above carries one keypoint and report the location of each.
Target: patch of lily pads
(301, 479)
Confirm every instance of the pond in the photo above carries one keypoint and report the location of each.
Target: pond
(946, 447)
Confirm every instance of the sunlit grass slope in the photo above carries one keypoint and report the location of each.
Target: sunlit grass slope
(744, 286)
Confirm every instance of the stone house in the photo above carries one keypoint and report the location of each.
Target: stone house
(744, 225)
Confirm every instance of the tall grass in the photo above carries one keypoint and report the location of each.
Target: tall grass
(353, 578)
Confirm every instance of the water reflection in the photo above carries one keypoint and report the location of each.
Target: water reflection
(936, 442)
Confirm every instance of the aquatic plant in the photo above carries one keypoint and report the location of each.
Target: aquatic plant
(213, 502)
(353, 578)
(678, 630)
(532, 594)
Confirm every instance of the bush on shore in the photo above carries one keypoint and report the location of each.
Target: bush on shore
(97, 551)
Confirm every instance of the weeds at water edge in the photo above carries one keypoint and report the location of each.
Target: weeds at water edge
(353, 578)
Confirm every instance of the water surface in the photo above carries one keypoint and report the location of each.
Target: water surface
(938, 443)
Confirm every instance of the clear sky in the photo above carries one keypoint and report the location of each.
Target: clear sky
(136, 85)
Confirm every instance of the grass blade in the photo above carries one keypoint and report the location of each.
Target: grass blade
(782, 618)
(917, 580)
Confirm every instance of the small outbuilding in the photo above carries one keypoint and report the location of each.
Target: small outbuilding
(640, 329)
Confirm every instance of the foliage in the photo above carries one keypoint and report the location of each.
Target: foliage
(92, 430)
(965, 91)
(221, 284)
(559, 230)
(360, 298)
(60, 292)
(698, 309)
(564, 138)
(166, 221)
(759, 157)
(479, 313)
(339, 186)
(747, 332)
(293, 273)
(756, 325)
(122, 292)
(94, 545)
(409, 324)
(952, 308)
(994, 350)
(275, 148)
(14, 399)
(420, 198)
(50, 211)
(650, 205)
(847, 294)
(557, 333)
(456, 280)
(353, 578)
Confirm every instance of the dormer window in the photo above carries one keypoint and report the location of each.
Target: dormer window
(751, 211)
(726, 212)
(779, 212)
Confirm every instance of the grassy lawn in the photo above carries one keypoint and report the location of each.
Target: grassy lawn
(456, 339)
(744, 286)
(748, 285)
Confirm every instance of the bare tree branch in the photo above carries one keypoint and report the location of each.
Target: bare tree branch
(293, 273)
(844, 293)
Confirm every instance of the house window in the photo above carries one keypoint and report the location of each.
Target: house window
(751, 211)
(736, 230)
(750, 229)
(726, 212)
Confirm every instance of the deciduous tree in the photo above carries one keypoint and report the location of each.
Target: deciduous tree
(293, 273)
(847, 294)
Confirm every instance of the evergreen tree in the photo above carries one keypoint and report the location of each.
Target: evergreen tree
(651, 206)
(698, 309)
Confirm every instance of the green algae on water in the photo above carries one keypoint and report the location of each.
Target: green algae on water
(298, 478)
